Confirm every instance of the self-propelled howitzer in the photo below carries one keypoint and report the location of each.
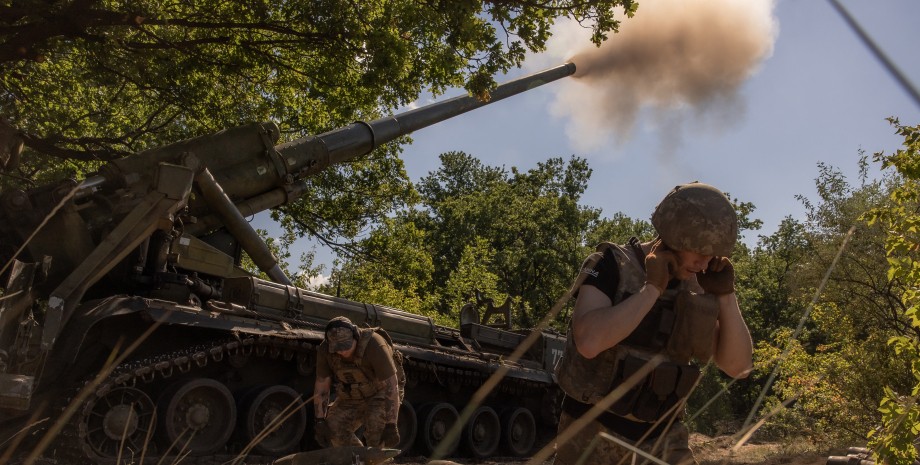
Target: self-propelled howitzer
(127, 286)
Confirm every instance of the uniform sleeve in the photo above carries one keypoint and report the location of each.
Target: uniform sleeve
(322, 362)
(604, 275)
(379, 358)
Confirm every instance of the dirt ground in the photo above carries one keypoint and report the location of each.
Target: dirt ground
(712, 451)
(708, 451)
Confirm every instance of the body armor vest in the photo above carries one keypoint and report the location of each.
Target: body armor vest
(680, 326)
(352, 380)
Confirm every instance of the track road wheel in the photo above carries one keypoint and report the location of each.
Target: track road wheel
(519, 431)
(274, 417)
(482, 432)
(437, 419)
(407, 424)
(120, 423)
(198, 416)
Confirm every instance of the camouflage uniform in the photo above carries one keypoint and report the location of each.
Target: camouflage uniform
(360, 397)
(347, 415)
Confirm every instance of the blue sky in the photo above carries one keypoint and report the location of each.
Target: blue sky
(820, 96)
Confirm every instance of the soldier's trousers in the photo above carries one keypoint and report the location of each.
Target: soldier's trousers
(671, 447)
(346, 416)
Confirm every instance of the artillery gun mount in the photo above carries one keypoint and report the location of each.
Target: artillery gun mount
(125, 314)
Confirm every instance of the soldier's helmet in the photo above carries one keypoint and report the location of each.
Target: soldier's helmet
(698, 218)
(340, 334)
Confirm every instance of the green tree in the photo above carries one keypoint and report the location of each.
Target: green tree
(896, 437)
(859, 309)
(473, 274)
(768, 280)
(395, 269)
(532, 221)
(836, 365)
(512, 233)
(618, 229)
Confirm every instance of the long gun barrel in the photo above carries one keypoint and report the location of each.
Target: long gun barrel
(359, 138)
(257, 175)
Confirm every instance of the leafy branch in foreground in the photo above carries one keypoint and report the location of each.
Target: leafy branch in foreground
(894, 441)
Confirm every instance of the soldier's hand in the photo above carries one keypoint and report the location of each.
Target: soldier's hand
(322, 432)
(719, 277)
(659, 264)
(390, 435)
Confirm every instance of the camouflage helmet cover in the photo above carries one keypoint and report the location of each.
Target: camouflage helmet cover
(340, 334)
(698, 218)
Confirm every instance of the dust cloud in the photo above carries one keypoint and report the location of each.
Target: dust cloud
(681, 63)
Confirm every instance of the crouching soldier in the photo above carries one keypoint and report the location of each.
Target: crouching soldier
(361, 363)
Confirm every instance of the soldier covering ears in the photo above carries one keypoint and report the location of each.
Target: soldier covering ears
(644, 312)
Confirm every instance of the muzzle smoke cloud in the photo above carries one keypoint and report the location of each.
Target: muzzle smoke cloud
(676, 61)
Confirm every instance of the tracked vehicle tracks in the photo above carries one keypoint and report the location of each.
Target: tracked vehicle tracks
(197, 406)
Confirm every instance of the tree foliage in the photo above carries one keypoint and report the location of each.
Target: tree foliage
(87, 81)
(824, 310)
(895, 440)
(506, 233)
